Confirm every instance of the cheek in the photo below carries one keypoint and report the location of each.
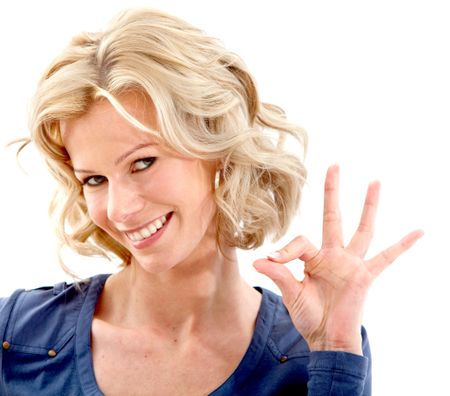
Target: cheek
(96, 209)
(171, 186)
(184, 190)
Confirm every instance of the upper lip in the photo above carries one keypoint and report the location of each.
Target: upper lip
(131, 230)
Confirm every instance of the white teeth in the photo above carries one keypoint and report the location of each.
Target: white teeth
(145, 232)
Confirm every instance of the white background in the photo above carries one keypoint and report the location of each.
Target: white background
(370, 83)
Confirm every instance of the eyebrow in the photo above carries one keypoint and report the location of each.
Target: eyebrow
(123, 157)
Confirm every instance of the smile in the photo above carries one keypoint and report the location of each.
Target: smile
(148, 230)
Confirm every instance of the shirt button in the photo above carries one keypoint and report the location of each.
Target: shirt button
(6, 345)
(52, 353)
(283, 358)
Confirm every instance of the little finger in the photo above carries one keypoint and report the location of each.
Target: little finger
(379, 263)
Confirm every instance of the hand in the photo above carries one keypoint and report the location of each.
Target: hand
(326, 307)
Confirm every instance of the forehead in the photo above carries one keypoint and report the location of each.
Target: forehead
(105, 120)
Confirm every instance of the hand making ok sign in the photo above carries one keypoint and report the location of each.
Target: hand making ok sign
(327, 305)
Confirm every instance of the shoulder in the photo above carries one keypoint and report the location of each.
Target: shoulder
(38, 333)
(43, 316)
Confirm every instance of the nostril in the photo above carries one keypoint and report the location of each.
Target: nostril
(124, 206)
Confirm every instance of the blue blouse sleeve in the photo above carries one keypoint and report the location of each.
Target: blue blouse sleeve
(2, 303)
(337, 373)
(334, 373)
(6, 305)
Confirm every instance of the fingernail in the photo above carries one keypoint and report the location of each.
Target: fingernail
(274, 255)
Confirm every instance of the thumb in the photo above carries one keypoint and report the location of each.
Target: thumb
(281, 275)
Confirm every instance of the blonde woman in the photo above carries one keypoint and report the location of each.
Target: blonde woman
(167, 159)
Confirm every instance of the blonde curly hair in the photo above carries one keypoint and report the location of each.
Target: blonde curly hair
(207, 107)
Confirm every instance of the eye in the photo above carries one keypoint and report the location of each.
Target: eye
(143, 164)
(93, 180)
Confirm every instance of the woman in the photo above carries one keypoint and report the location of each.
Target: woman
(166, 158)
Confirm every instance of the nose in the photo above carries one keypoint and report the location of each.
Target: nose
(124, 201)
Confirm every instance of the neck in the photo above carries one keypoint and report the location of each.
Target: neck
(183, 301)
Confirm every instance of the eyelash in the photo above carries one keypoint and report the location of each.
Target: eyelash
(151, 160)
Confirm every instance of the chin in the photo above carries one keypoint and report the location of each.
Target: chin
(150, 266)
(157, 263)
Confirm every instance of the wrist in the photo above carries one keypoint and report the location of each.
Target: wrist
(351, 346)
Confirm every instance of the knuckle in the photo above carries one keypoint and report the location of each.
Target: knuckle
(300, 239)
(297, 244)
(293, 245)
(365, 228)
(387, 257)
(329, 186)
(331, 216)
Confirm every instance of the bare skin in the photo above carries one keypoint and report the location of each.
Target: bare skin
(327, 305)
(191, 353)
(179, 316)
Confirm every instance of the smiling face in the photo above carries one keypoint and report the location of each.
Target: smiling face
(157, 204)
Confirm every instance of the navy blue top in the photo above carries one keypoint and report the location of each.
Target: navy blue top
(45, 335)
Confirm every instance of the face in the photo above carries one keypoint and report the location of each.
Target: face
(152, 201)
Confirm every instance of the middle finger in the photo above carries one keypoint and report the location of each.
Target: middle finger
(332, 224)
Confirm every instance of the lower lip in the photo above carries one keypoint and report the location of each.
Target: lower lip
(145, 243)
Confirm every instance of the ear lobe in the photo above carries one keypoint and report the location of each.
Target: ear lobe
(217, 179)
